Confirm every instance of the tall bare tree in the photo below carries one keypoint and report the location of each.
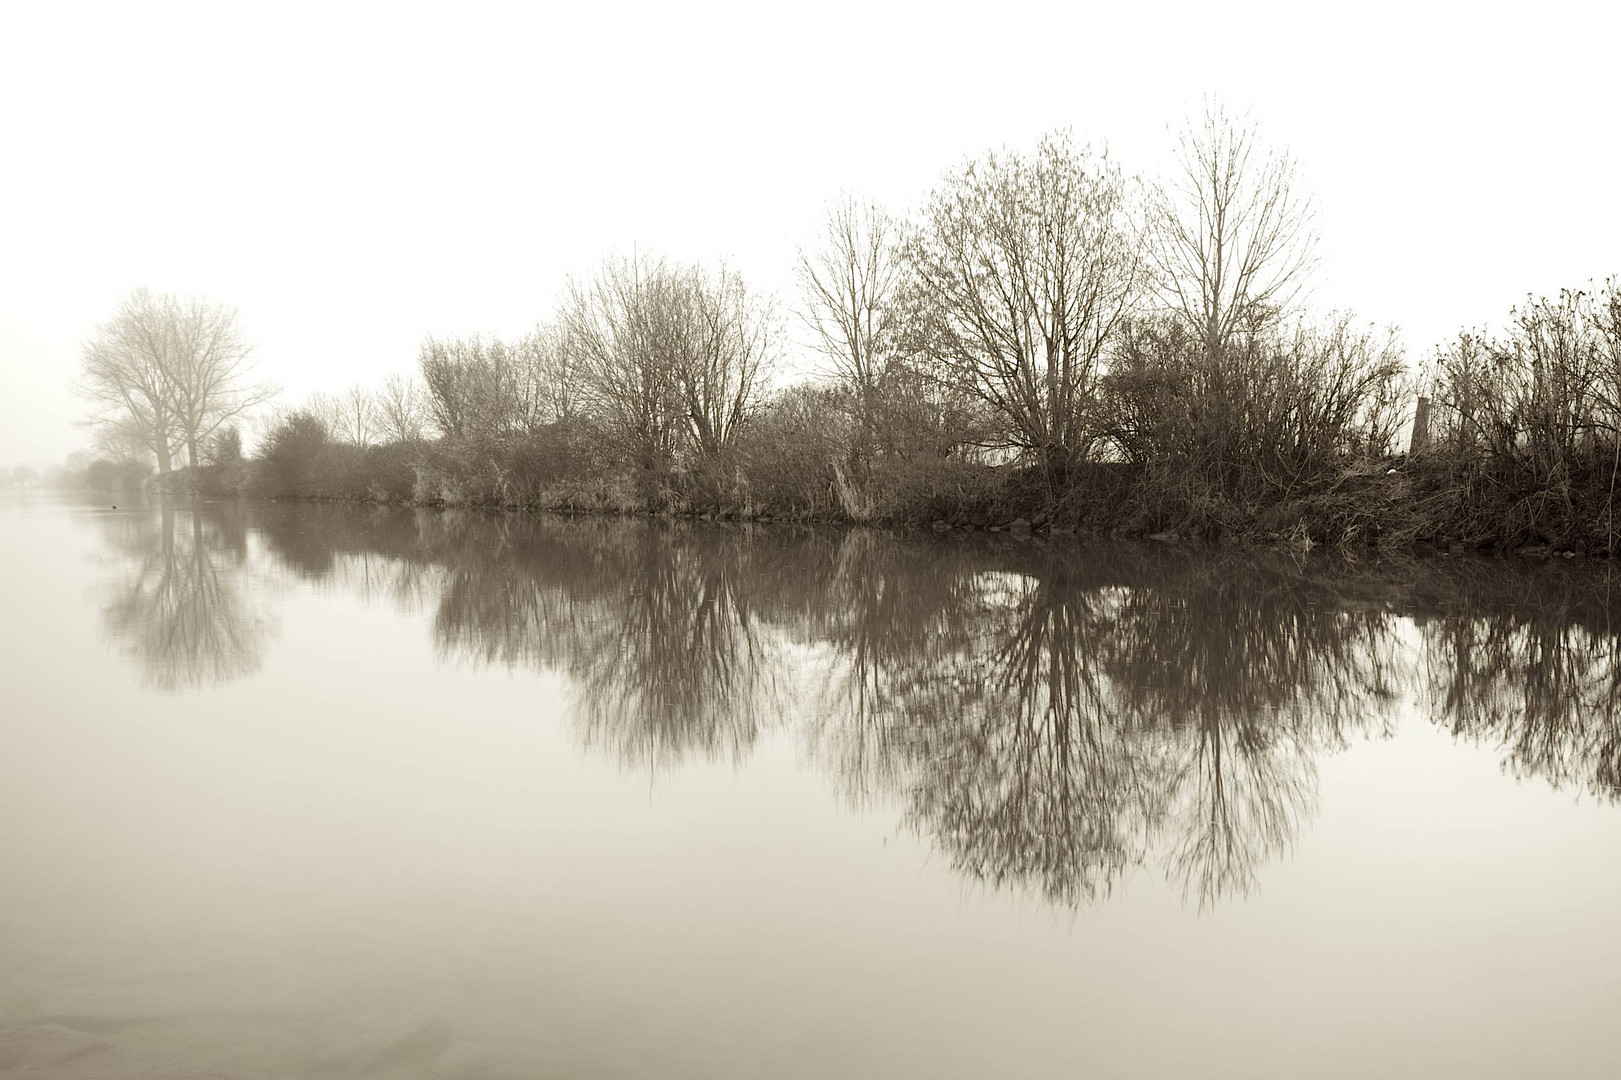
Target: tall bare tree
(611, 327)
(668, 356)
(208, 363)
(848, 283)
(1020, 271)
(123, 377)
(170, 371)
(1232, 241)
(720, 370)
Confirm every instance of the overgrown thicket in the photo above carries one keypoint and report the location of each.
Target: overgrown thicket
(1286, 431)
(1525, 446)
(1045, 339)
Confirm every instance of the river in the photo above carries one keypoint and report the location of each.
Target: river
(296, 790)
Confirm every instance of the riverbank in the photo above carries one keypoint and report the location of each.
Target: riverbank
(1391, 505)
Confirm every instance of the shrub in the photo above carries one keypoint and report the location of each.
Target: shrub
(1274, 417)
(1524, 431)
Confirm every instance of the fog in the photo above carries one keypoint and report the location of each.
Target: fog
(354, 181)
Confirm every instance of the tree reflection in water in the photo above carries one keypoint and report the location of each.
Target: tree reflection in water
(1530, 663)
(1089, 716)
(1051, 719)
(650, 624)
(677, 663)
(177, 607)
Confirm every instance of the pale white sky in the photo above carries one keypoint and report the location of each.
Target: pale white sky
(353, 178)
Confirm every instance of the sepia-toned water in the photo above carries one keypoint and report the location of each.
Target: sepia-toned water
(315, 791)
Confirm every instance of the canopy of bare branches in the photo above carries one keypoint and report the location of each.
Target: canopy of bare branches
(1017, 275)
(166, 372)
(1231, 238)
(668, 356)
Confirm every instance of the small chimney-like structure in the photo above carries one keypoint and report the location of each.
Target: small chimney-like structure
(1421, 427)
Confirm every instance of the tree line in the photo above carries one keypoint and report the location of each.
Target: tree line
(1046, 337)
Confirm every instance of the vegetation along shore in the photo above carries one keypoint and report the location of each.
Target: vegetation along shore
(1046, 342)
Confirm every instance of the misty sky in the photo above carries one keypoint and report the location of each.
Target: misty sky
(353, 179)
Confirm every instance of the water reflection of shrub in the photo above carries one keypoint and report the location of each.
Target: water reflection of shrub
(664, 656)
(1539, 676)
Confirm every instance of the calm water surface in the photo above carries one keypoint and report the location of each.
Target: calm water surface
(293, 791)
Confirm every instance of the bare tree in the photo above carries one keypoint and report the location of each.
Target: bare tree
(399, 410)
(667, 356)
(1017, 276)
(123, 377)
(848, 285)
(1232, 240)
(611, 328)
(324, 407)
(542, 384)
(122, 442)
(720, 371)
(207, 363)
(172, 370)
(357, 415)
(550, 374)
(446, 380)
(478, 386)
(527, 400)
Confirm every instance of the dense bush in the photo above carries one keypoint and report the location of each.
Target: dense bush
(1524, 445)
(1269, 419)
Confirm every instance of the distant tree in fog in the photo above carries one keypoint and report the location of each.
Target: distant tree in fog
(123, 376)
(122, 441)
(1231, 237)
(168, 372)
(209, 363)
